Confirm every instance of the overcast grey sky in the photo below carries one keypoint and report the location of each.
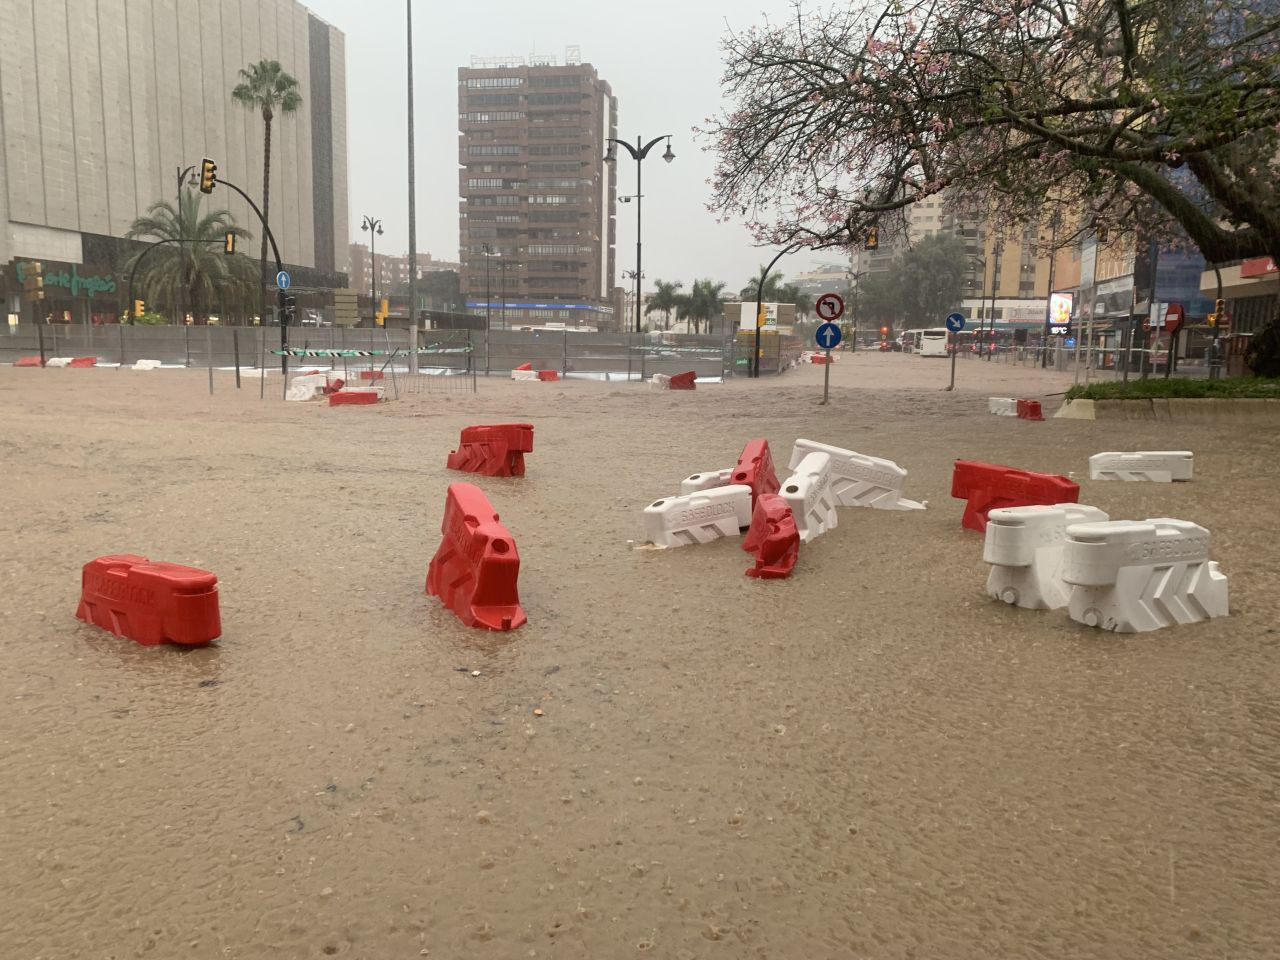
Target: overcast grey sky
(662, 59)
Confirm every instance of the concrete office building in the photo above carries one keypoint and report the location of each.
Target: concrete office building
(103, 101)
(536, 222)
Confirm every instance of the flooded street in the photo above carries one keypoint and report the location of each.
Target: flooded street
(870, 759)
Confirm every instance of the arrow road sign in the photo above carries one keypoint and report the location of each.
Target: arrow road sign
(282, 280)
(828, 336)
(955, 322)
(829, 306)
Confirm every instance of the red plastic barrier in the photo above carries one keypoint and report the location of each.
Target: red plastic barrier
(755, 469)
(819, 358)
(344, 398)
(684, 381)
(309, 373)
(474, 572)
(27, 362)
(372, 375)
(494, 451)
(987, 486)
(524, 366)
(548, 375)
(150, 602)
(333, 386)
(1029, 410)
(83, 362)
(773, 538)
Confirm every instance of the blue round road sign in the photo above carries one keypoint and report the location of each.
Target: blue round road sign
(955, 322)
(828, 336)
(282, 280)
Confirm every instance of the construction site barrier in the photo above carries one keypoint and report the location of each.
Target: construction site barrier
(146, 365)
(59, 361)
(1024, 546)
(698, 517)
(684, 381)
(495, 450)
(150, 602)
(548, 375)
(1157, 466)
(27, 362)
(707, 480)
(858, 480)
(524, 366)
(755, 469)
(660, 381)
(1029, 410)
(1133, 576)
(355, 396)
(1002, 406)
(524, 374)
(809, 495)
(986, 486)
(475, 571)
(772, 538)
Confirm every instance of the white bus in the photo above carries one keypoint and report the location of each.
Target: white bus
(931, 342)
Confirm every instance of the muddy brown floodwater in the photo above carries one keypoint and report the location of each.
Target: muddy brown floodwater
(868, 760)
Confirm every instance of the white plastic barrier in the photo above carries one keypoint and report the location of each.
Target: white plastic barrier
(809, 493)
(524, 374)
(58, 361)
(147, 365)
(707, 480)
(307, 387)
(1024, 546)
(1002, 406)
(1159, 466)
(1129, 576)
(698, 517)
(858, 480)
(660, 381)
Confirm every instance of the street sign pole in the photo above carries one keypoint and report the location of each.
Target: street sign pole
(955, 323)
(826, 380)
(829, 308)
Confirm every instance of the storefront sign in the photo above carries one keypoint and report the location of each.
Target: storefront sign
(87, 285)
(1257, 267)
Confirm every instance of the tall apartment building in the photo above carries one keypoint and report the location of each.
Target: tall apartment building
(536, 219)
(393, 268)
(101, 104)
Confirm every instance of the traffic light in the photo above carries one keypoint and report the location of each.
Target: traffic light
(33, 279)
(873, 239)
(289, 305)
(383, 310)
(760, 317)
(139, 308)
(884, 331)
(1212, 319)
(1220, 307)
(229, 244)
(208, 175)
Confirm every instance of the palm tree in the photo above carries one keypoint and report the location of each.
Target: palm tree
(664, 299)
(206, 277)
(265, 85)
(790, 293)
(771, 288)
(703, 302)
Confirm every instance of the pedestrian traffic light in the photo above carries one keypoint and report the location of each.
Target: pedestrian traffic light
(139, 308)
(873, 238)
(208, 175)
(229, 244)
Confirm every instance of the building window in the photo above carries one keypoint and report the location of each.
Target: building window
(552, 199)
(555, 133)
(479, 82)
(554, 149)
(486, 182)
(556, 80)
(495, 117)
(498, 150)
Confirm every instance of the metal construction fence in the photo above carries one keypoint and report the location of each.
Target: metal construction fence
(603, 356)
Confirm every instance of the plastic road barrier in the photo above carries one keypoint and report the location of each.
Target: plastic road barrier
(987, 486)
(1159, 466)
(1134, 576)
(146, 365)
(59, 361)
(1002, 406)
(27, 362)
(698, 517)
(523, 374)
(707, 480)
(809, 494)
(496, 450)
(150, 602)
(355, 396)
(550, 375)
(684, 381)
(306, 387)
(660, 381)
(755, 469)
(773, 538)
(858, 480)
(476, 570)
(1024, 546)
(525, 366)
(82, 362)
(1029, 410)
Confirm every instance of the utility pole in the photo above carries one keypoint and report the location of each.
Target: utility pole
(1048, 305)
(413, 220)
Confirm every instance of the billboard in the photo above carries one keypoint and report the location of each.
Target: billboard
(1059, 314)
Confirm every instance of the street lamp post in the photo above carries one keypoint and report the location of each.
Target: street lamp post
(639, 153)
(1048, 306)
(374, 227)
(182, 248)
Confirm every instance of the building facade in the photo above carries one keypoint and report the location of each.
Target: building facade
(536, 219)
(393, 268)
(104, 102)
